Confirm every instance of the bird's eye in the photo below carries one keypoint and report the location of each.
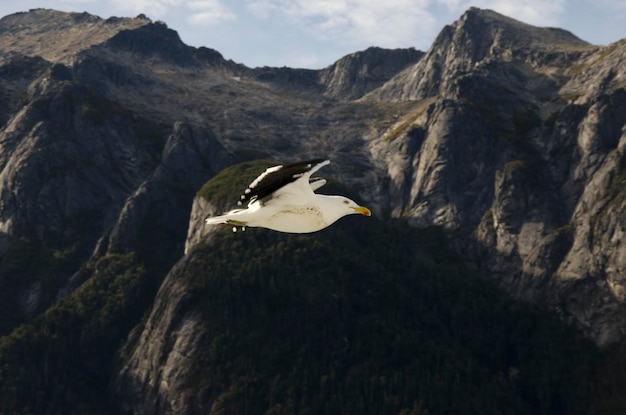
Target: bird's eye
(346, 202)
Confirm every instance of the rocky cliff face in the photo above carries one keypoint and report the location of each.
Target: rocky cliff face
(505, 140)
(159, 365)
(85, 166)
(482, 42)
(57, 36)
(350, 78)
(355, 75)
(509, 136)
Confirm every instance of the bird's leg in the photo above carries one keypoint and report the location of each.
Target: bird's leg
(237, 224)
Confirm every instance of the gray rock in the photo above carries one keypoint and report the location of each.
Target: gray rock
(161, 204)
(157, 367)
(353, 76)
(520, 149)
(198, 230)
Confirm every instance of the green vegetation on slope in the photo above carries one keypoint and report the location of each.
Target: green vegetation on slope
(372, 317)
(611, 382)
(364, 317)
(31, 265)
(61, 362)
(225, 188)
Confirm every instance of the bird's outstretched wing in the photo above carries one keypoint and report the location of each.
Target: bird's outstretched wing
(316, 183)
(279, 180)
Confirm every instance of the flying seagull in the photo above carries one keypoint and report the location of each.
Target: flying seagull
(282, 198)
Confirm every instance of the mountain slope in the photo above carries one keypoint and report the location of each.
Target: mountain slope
(483, 40)
(57, 36)
(505, 137)
(369, 317)
(354, 75)
(516, 139)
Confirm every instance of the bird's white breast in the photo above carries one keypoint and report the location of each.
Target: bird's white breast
(296, 220)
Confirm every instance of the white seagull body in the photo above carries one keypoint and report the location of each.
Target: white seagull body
(282, 198)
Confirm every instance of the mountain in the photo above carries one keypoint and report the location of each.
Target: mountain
(522, 121)
(491, 275)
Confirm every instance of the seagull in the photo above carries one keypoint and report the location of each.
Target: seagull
(283, 199)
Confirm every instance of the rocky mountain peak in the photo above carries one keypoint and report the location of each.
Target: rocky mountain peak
(350, 78)
(56, 36)
(479, 39)
(358, 73)
(541, 114)
(157, 40)
(491, 28)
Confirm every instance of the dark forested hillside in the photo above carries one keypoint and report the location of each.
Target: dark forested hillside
(366, 317)
(370, 318)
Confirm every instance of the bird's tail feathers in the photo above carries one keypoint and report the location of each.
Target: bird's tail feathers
(226, 218)
(216, 220)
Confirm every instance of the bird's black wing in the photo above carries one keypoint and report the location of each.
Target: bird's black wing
(276, 177)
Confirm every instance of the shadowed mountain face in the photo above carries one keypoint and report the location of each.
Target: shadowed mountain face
(519, 145)
(507, 137)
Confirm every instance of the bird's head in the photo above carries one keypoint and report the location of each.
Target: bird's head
(352, 208)
(335, 207)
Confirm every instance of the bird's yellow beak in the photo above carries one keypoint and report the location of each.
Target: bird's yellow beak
(362, 210)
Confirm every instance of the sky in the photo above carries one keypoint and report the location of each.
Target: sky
(315, 33)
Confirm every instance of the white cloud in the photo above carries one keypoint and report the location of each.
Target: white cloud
(390, 23)
(261, 8)
(155, 9)
(74, 2)
(209, 12)
(535, 12)
(613, 7)
(198, 12)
